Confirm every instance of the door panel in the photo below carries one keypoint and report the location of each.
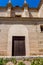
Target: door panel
(18, 46)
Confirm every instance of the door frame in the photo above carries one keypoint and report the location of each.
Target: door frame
(18, 38)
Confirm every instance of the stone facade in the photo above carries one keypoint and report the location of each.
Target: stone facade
(16, 21)
(34, 38)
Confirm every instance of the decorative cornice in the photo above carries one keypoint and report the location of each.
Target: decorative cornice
(19, 20)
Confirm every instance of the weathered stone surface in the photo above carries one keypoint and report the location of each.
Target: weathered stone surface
(35, 39)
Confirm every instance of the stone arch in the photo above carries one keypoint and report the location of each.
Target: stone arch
(17, 30)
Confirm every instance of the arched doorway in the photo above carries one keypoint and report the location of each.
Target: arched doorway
(18, 31)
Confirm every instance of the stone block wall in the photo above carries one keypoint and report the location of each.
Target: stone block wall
(34, 35)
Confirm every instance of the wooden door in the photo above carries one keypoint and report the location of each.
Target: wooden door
(18, 46)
